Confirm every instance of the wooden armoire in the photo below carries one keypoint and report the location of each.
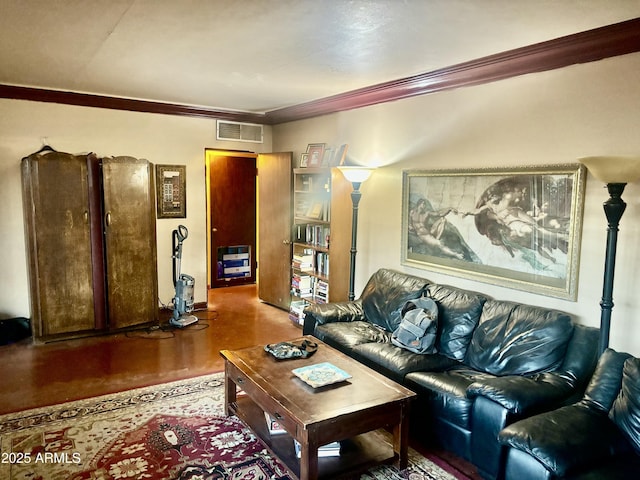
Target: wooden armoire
(91, 243)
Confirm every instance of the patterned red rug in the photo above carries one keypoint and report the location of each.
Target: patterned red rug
(171, 431)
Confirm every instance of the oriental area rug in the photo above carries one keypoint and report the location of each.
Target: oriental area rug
(175, 431)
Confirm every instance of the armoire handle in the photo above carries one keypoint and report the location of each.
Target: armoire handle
(107, 219)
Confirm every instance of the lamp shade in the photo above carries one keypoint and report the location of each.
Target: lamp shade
(613, 169)
(356, 174)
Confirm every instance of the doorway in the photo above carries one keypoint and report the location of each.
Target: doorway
(248, 192)
(231, 218)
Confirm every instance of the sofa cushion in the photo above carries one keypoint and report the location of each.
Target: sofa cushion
(386, 293)
(350, 334)
(444, 394)
(564, 440)
(626, 408)
(396, 362)
(604, 386)
(517, 339)
(458, 315)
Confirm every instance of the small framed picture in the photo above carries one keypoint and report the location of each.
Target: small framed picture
(304, 160)
(315, 152)
(171, 191)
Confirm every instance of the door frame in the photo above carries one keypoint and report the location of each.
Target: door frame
(210, 153)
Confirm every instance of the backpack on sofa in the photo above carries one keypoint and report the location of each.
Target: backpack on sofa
(418, 326)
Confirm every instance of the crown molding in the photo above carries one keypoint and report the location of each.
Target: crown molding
(129, 104)
(588, 46)
(591, 45)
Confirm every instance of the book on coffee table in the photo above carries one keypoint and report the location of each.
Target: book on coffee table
(329, 450)
(273, 425)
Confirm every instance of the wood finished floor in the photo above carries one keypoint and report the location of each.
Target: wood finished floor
(47, 374)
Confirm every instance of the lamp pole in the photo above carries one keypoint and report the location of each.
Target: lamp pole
(355, 200)
(355, 175)
(614, 207)
(615, 172)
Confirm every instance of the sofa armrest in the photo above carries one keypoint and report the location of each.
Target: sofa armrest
(321, 313)
(522, 395)
(567, 439)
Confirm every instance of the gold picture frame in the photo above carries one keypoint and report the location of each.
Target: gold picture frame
(518, 227)
(171, 188)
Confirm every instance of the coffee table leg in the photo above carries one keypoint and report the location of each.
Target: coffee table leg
(401, 438)
(229, 391)
(308, 459)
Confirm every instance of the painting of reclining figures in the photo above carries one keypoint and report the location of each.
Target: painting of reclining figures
(517, 227)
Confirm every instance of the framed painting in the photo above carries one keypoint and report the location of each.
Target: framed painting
(171, 191)
(515, 227)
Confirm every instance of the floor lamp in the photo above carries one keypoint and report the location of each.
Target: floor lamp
(356, 175)
(615, 172)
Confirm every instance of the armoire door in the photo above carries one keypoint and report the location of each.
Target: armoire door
(274, 228)
(130, 241)
(57, 217)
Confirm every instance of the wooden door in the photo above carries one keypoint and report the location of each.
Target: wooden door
(232, 197)
(56, 205)
(274, 229)
(130, 241)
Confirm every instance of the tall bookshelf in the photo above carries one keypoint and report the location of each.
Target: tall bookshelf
(322, 212)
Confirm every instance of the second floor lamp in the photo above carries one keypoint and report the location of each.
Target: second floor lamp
(615, 172)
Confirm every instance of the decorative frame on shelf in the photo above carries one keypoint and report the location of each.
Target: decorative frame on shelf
(514, 227)
(171, 188)
(316, 152)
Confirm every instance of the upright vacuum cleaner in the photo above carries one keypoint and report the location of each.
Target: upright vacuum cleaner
(183, 300)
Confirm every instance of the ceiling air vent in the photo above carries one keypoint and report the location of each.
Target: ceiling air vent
(239, 132)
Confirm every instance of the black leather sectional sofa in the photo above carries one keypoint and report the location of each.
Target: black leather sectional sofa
(496, 362)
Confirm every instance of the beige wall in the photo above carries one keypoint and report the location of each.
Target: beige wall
(161, 139)
(546, 118)
(551, 117)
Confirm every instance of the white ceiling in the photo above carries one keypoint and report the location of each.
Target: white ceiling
(261, 55)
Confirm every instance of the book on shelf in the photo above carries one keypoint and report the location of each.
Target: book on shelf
(306, 183)
(312, 234)
(329, 450)
(316, 211)
(322, 263)
(275, 428)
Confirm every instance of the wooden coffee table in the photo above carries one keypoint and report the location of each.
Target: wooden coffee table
(349, 411)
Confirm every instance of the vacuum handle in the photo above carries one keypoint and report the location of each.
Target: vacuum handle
(182, 233)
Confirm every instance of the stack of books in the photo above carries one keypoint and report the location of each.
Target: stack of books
(302, 285)
(321, 292)
(329, 450)
(303, 261)
(296, 311)
(273, 425)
